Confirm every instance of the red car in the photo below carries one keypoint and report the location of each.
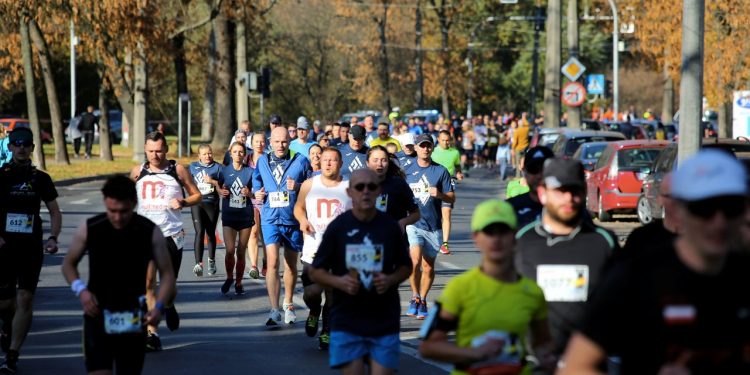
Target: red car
(615, 183)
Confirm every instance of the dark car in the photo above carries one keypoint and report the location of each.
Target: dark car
(545, 137)
(649, 206)
(589, 153)
(569, 140)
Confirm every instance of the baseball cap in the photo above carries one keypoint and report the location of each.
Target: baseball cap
(534, 159)
(20, 134)
(424, 138)
(560, 172)
(357, 132)
(406, 139)
(302, 123)
(493, 211)
(275, 119)
(709, 174)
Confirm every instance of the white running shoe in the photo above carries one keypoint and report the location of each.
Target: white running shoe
(198, 270)
(274, 318)
(211, 267)
(289, 315)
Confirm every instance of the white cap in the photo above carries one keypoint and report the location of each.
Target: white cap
(709, 174)
(406, 139)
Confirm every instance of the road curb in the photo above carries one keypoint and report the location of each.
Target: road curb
(73, 181)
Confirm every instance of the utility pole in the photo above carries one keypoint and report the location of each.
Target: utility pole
(73, 43)
(538, 27)
(691, 78)
(574, 113)
(616, 61)
(552, 73)
(418, 58)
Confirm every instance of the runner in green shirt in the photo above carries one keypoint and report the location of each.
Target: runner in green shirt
(450, 158)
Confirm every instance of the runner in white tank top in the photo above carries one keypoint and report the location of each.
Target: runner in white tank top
(320, 200)
(155, 192)
(323, 204)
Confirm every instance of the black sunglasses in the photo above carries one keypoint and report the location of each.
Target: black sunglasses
(731, 207)
(361, 186)
(21, 143)
(496, 229)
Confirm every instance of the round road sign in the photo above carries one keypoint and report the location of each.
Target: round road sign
(573, 94)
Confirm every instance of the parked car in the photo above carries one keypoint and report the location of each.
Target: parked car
(588, 124)
(569, 140)
(12, 122)
(615, 183)
(360, 115)
(426, 115)
(649, 207)
(589, 153)
(544, 136)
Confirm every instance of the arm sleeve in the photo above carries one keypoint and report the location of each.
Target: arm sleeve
(48, 192)
(451, 300)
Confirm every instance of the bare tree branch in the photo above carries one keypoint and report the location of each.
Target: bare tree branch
(215, 8)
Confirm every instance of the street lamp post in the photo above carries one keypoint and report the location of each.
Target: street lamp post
(73, 43)
(615, 61)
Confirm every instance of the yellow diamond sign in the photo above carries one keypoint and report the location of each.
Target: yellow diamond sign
(573, 69)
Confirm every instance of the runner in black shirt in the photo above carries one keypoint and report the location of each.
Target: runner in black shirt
(682, 308)
(120, 244)
(364, 262)
(527, 205)
(656, 234)
(396, 197)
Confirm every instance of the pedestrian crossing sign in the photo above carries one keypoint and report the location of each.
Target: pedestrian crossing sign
(573, 69)
(595, 84)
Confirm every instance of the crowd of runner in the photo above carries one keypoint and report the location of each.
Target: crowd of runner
(365, 207)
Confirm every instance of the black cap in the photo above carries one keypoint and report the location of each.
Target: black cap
(357, 132)
(535, 157)
(424, 138)
(275, 119)
(20, 134)
(563, 172)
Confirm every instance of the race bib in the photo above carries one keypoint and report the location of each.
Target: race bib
(237, 201)
(366, 258)
(19, 223)
(421, 190)
(205, 188)
(116, 323)
(563, 283)
(278, 199)
(382, 203)
(179, 239)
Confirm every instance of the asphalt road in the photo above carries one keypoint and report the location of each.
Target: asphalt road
(226, 334)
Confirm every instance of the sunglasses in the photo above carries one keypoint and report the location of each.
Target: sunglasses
(361, 186)
(730, 207)
(496, 229)
(20, 143)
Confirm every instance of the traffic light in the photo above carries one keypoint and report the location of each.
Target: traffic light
(264, 85)
(608, 90)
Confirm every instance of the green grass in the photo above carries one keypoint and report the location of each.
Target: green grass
(122, 163)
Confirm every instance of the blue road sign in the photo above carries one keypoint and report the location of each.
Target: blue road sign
(595, 84)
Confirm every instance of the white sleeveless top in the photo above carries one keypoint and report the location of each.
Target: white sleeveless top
(155, 191)
(323, 204)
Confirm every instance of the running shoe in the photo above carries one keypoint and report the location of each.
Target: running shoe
(225, 287)
(445, 249)
(413, 306)
(254, 273)
(172, 318)
(324, 340)
(422, 313)
(239, 289)
(311, 326)
(198, 270)
(211, 267)
(10, 364)
(153, 343)
(264, 270)
(289, 315)
(274, 318)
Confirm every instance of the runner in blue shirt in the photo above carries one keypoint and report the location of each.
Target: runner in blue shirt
(354, 153)
(236, 215)
(276, 181)
(302, 144)
(206, 174)
(432, 189)
(408, 155)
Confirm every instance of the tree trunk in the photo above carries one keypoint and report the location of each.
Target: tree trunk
(126, 97)
(240, 56)
(209, 97)
(552, 73)
(140, 99)
(667, 108)
(28, 71)
(105, 135)
(725, 120)
(61, 150)
(180, 68)
(224, 84)
(419, 56)
(382, 29)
